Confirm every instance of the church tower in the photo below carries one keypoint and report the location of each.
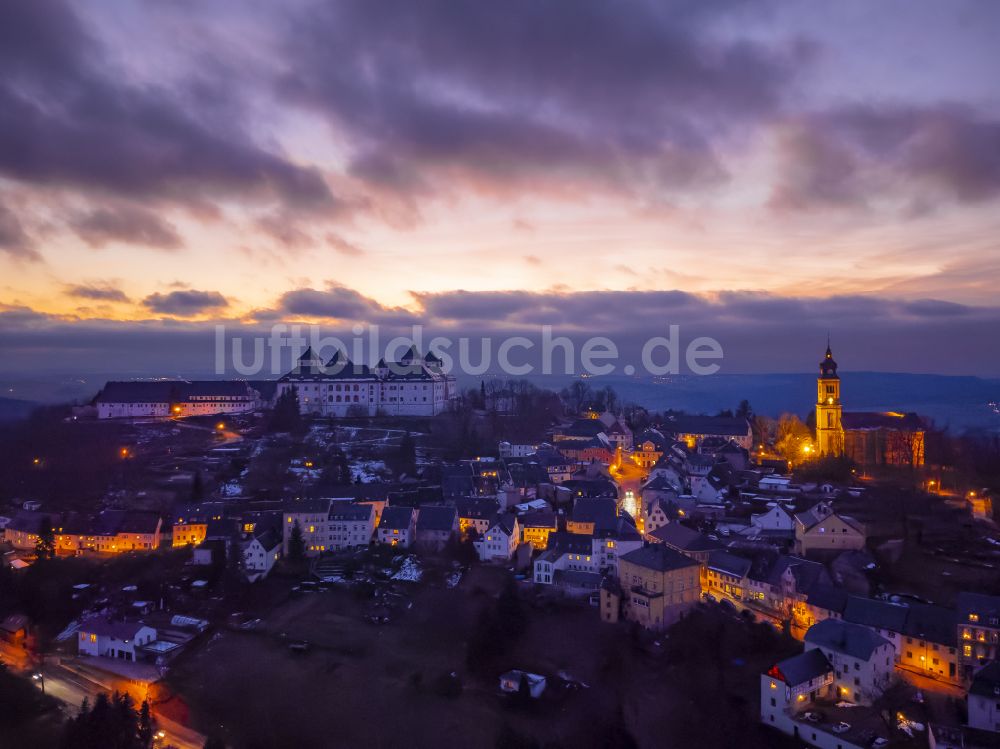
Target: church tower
(829, 430)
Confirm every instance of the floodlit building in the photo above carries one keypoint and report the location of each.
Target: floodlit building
(414, 385)
(658, 586)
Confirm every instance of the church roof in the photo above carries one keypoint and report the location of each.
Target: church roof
(892, 420)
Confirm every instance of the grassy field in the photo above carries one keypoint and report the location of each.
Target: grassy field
(362, 684)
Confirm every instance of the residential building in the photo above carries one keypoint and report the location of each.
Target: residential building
(592, 513)
(105, 638)
(724, 576)
(436, 526)
(536, 527)
(927, 643)
(792, 686)
(659, 586)
(350, 525)
(312, 517)
(984, 698)
(397, 527)
(863, 662)
(260, 552)
(476, 515)
(692, 430)
(820, 529)
(500, 540)
(685, 540)
(978, 622)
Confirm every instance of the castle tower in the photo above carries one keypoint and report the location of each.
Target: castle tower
(829, 430)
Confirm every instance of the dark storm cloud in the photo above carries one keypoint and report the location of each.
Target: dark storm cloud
(338, 303)
(850, 155)
(68, 118)
(128, 225)
(626, 96)
(102, 292)
(185, 303)
(758, 332)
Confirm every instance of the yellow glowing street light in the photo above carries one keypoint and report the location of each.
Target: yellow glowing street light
(220, 426)
(37, 461)
(124, 452)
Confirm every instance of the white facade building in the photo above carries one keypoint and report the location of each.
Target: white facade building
(413, 386)
(103, 638)
(500, 540)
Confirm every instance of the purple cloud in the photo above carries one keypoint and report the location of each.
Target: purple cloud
(128, 225)
(185, 303)
(98, 292)
(69, 118)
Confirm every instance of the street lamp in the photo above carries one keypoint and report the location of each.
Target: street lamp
(40, 677)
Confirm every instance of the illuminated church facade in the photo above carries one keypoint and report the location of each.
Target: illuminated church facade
(869, 438)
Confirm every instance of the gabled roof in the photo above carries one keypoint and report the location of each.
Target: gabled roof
(932, 623)
(659, 558)
(600, 511)
(161, 391)
(870, 420)
(727, 426)
(986, 682)
(980, 604)
(538, 519)
(872, 612)
(477, 509)
(505, 523)
(806, 572)
(436, 518)
(396, 517)
(269, 539)
(802, 668)
(686, 539)
(828, 597)
(562, 542)
(350, 511)
(729, 564)
(119, 630)
(850, 639)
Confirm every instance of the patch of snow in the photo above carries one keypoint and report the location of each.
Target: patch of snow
(231, 489)
(453, 579)
(409, 571)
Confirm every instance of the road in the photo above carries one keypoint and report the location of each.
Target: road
(70, 688)
(629, 477)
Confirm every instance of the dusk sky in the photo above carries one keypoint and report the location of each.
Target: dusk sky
(764, 172)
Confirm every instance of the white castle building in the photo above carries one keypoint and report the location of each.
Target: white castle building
(413, 386)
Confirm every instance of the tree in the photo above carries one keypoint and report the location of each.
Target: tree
(296, 544)
(286, 416)
(111, 722)
(145, 725)
(404, 458)
(197, 488)
(45, 547)
(792, 436)
(510, 611)
(744, 410)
